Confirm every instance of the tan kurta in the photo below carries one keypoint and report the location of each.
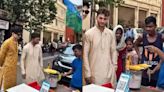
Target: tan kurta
(100, 56)
(32, 63)
(8, 63)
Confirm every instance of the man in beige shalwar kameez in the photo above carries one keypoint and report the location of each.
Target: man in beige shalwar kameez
(31, 61)
(100, 55)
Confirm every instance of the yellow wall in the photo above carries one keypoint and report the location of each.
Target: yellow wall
(58, 26)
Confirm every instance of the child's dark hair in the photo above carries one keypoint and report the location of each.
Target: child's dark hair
(129, 39)
(77, 46)
(35, 35)
(150, 19)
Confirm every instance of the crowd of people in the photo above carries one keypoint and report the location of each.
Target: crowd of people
(105, 52)
(103, 59)
(31, 61)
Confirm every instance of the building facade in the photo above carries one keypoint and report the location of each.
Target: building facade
(132, 13)
(4, 26)
(162, 12)
(55, 30)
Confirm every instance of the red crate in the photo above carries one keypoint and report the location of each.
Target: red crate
(35, 85)
(108, 85)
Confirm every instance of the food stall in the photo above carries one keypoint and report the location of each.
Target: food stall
(51, 81)
(50, 84)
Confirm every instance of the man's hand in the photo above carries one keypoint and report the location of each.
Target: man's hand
(151, 48)
(64, 74)
(90, 80)
(24, 76)
(115, 67)
(150, 72)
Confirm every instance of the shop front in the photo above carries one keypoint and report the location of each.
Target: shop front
(4, 26)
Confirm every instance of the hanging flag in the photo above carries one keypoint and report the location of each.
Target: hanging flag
(73, 17)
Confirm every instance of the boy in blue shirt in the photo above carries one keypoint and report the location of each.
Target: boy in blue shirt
(76, 81)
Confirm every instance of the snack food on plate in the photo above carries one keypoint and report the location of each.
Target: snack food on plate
(135, 67)
(145, 66)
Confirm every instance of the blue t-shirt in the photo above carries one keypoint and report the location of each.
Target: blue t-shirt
(129, 33)
(76, 81)
(160, 82)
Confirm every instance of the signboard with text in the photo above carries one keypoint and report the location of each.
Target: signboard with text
(4, 24)
(123, 82)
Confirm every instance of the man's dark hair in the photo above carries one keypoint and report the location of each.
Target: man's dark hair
(150, 19)
(16, 29)
(129, 39)
(86, 4)
(104, 11)
(35, 35)
(77, 46)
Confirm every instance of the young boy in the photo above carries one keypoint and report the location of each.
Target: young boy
(150, 37)
(76, 81)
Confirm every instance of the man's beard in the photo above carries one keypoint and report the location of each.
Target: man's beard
(99, 25)
(20, 39)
